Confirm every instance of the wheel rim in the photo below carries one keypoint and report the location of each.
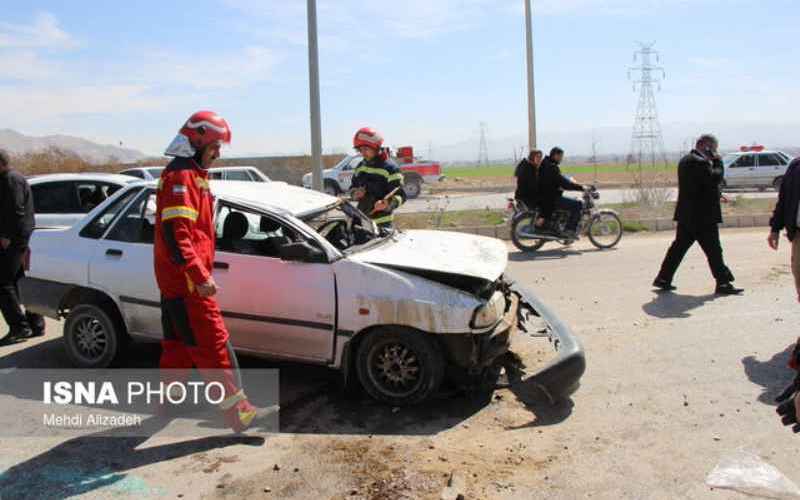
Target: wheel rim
(90, 338)
(605, 230)
(413, 189)
(395, 369)
(526, 224)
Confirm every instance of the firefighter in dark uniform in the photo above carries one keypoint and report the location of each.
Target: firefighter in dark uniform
(698, 214)
(194, 331)
(377, 182)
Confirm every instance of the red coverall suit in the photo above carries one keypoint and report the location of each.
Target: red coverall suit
(194, 331)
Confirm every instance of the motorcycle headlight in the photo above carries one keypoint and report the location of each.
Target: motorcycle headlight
(490, 313)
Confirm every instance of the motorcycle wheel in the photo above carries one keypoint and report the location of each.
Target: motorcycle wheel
(525, 243)
(605, 230)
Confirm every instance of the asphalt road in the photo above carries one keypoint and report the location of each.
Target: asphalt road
(675, 382)
(497, 201)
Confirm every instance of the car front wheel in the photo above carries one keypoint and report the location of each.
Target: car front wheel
(91, 337)
(400, 366)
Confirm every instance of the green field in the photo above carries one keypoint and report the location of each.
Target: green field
(508, 170)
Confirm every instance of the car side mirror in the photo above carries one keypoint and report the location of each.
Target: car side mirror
(302, 252)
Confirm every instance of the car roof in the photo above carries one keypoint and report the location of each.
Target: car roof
(84, 176)
(766, 151)
(278, 196)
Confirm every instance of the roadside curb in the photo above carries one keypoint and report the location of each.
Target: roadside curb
(503, 231)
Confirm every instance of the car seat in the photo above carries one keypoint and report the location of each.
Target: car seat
(233, 231)
(276, 237)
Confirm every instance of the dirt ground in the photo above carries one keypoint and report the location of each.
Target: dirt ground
(674, 383)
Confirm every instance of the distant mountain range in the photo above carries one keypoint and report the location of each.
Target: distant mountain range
(17, 143)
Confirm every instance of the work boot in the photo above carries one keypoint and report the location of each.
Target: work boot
(664, 285)
(728, 289)
(240, 416)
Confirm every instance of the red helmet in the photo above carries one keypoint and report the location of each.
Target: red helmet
(368, 137)
(204, 128)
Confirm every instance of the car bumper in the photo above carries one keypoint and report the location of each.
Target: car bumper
(561, 376)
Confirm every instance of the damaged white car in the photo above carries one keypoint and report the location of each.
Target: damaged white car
(305, 276)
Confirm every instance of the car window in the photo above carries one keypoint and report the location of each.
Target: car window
(155, 172)
(745, 161)
(256, 175)
(246, 232)
(133, 173)
(237, 175)
(769, 160)
(215, 175)
(137, 223)
(353, 163)
(92, 194)
(97, 228)
(55, 198)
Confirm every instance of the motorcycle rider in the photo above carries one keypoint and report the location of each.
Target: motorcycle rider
(552, 184)
(194, 331)
(527, 174)
(377, 183)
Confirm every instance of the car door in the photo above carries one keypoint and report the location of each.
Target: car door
(56, 204)
(345, 174)
(770, 167)
(271, 306)
(742, 172)
(122, 265)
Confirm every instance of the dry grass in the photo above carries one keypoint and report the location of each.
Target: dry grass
(55, 160)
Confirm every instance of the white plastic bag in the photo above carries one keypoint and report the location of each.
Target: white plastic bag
(745, 472)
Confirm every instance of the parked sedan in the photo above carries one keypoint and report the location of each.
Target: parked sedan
(305, 276)
(61, 200)
(755, 169)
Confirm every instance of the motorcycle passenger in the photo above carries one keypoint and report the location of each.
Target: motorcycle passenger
(527, 174)
(552, 184)
(377, 183)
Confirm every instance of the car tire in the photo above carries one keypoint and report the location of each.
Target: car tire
(777, 183)
(331, 188)
(91, 337)
(412, 187)
(400, 366)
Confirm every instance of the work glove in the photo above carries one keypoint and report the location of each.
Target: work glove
(786, 405)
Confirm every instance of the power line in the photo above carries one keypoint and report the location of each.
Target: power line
(647, 141)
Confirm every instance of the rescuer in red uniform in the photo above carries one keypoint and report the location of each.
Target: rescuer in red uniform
(194, 332)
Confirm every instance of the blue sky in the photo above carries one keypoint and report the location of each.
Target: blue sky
(421, 71)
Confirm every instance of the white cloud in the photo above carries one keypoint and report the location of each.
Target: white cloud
(44, 32)
(28, 104)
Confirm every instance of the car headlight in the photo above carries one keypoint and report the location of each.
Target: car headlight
(490, 313)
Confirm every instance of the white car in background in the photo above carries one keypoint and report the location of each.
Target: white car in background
(307, 277)
(247, 174)
(758, 169)
(61, 200)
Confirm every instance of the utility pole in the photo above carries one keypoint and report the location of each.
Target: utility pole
(313, 84)
(594, 155)
(531, 94)
(483, 145)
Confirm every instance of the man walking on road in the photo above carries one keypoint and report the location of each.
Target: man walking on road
(698, 214)
(194, 331)
(786, 216)
(16, 227)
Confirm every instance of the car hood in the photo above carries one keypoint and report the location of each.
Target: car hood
(440, 252)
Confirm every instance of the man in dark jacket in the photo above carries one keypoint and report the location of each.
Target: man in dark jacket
(16, 227)
(527, 174)
(785, 216)
(552, 184)
(698, 214)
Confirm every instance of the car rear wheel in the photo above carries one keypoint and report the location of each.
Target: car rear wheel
(777, 183)
(412, 187)
(91, 337)
(400, 366)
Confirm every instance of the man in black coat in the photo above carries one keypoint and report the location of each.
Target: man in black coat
(698, 214)
(552, 185)
(527, 174)
(16, 226)
(786, 217)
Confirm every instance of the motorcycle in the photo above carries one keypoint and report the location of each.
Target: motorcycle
(603, 227)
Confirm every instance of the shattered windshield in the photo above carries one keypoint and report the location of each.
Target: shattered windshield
(345, 227)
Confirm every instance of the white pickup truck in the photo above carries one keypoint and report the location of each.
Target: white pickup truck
(308, 278)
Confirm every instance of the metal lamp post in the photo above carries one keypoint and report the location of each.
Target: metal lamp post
(531, 94)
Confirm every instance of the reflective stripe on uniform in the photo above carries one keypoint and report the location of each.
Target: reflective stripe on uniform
(399, 200)
(371, 170)
(396, 177)
(384, 219)
(179, 212)
(230, 401)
